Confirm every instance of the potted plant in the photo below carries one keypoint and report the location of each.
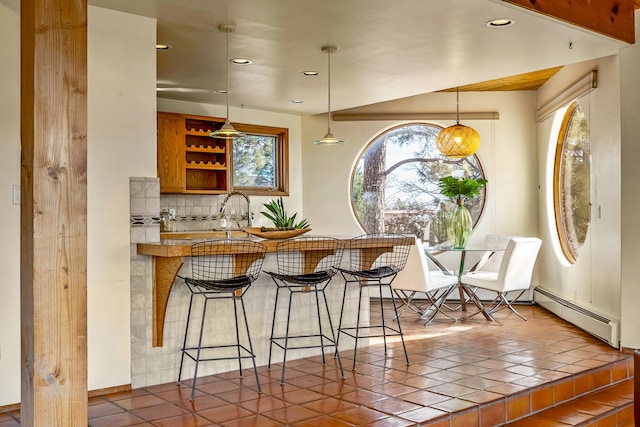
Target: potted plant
(460, 224)
(280, 218)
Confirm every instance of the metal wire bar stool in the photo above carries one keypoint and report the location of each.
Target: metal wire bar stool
(375, 260)
(306, 265)
(221, 269)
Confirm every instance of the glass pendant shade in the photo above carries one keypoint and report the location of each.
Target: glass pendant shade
(227, 131)
(328, 138)
(458, 141)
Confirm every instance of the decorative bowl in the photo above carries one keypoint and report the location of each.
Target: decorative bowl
(276, 234)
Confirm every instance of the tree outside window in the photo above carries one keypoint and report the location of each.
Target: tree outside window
(394, 185)
(254, 161)
(260, 160)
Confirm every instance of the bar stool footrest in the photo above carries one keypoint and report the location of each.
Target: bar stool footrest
(277, 341)
(189, 353)
(394, 332)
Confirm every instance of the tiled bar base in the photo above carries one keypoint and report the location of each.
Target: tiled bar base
(158, 365)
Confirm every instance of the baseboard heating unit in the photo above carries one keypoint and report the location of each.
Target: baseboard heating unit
(596, 324)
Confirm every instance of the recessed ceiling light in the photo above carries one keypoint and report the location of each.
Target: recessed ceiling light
(500, 22)
(309, 73)
(241, 61)
(296, 101)
(163, 46)
(220, 91)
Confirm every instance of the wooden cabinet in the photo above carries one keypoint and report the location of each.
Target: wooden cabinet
(189, 160)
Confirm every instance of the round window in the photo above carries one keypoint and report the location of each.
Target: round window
(572, 182)
(394, 185)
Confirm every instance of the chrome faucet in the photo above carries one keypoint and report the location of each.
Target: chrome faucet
(223, 207)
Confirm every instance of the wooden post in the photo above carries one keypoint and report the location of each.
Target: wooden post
(636, 387)
(53, 258)
(613, 18)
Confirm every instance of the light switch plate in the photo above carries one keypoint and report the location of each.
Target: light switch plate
(16, 194)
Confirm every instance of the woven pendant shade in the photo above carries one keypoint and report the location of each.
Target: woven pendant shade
(458, 141)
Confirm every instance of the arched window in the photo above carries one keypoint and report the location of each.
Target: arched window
(394, 185)
(572, 182)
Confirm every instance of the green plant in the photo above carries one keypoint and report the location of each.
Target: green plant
(281, 220)
(456, 188)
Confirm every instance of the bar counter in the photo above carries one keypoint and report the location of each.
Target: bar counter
(168, 257)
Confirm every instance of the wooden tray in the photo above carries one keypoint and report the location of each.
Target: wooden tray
(279, 234)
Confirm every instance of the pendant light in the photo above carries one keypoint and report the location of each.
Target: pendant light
(227, 131)
(329, 139)
(458, 141)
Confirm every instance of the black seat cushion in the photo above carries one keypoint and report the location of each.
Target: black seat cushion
(305, 279)
(220, 285)
(375, 273)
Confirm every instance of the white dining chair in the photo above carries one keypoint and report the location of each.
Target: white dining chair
(514, 275)
(495, 244)
(417, 278)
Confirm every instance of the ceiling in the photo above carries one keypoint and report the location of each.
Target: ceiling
(386, 50)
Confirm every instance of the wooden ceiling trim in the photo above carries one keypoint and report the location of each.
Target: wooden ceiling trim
(612, 18)
(526, 81)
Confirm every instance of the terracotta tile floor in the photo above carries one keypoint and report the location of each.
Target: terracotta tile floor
(466, 373)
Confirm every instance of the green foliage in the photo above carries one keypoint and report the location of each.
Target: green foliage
(280, 218)
(463, 187)
(254, 161)
(357, 198)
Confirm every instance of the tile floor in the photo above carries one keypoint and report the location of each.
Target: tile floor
(465, 373)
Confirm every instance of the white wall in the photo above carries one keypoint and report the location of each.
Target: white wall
(605, 278)
(121, 143)
(594, 280)
(507, 152)
(10, 224)
(630, 250)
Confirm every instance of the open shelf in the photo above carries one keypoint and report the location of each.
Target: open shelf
(189, 160)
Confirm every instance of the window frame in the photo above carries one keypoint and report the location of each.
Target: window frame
(281, 160)
(558, 184)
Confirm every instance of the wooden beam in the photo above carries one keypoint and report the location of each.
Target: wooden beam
(612, 18)
(53, 215)
(359, 117)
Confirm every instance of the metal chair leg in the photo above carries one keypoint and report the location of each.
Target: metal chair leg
(198, 351)
(184, 342)
(253, 354)
(395, 309)
(286, 337)
(333, 335)
(355, 347)
(273, 324)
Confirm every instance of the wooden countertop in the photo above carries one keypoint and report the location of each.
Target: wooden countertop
(178, 244)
